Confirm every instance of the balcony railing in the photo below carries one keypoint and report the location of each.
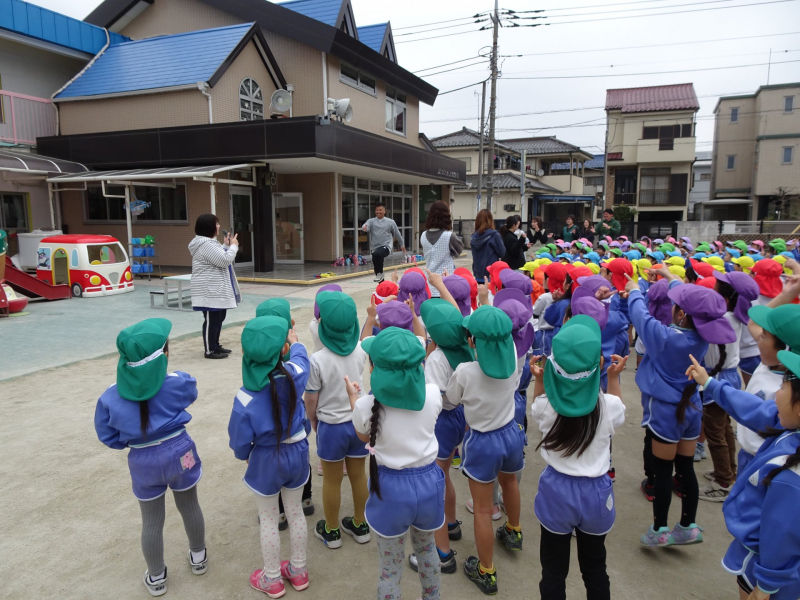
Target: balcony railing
(659, 198)
(24, 118)
(625, 198)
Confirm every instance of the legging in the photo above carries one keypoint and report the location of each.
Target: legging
(554, 550)
(212, 327)
(153, 512)
(391, 559)
(269, 515)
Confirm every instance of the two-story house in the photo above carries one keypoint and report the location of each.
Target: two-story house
(593, 180)
(288, 121)
(650, 148)
(701, 188)
(756, 144)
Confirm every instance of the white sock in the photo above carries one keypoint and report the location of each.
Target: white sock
(198, 557)
(155, 578)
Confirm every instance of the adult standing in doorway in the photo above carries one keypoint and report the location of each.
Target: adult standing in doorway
(588, 230)
(382, 233)
(570, 232)
(609, 226)
(486, 245)
(439, 244)
(515, 241)
(214, 286)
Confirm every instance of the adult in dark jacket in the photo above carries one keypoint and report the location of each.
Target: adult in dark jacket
(588, 231)
(515, 241)
(610, 226)
(486, 244)
(537, 232)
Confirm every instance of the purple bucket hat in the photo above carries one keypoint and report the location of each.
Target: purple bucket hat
(658, 241)
(459, 289)
(395, 314)
(659, 304)
(626, 245)
(413, 283)
(516, 281)
(707, 309)
(746, 287)
(591, 307)
(615, 244)
(687, 240)
(331, 287)
(594, 283)
(518, 308)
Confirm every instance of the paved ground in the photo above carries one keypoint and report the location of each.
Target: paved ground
(71, 526)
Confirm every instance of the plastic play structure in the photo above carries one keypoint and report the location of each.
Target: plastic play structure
(23, 283)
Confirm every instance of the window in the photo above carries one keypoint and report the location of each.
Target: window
(666, 134)
(395, 111)
(734, 115)
(654, 187)
(788, 104)
(100, 208)
(468, 162)
(166, 204)
(106, 254)
(788, 152)
(355, 78)
(74, 260)
(13, 212)
(731, 162)
(705, 176)
(359, 206)
(593, 180)
(251, 101)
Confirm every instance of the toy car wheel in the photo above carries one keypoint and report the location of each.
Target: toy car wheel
(77, 290)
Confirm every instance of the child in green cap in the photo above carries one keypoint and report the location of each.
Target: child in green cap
(397, 420)
(577, 420)
(267, 429)
(493, 447)
(145, 410)
(331, 417)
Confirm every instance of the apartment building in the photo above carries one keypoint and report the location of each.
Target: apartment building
(191, 116)
(650, 148)
(756, 144)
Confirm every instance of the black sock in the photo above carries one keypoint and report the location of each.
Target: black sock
(647, 455)
(684, 467)
(662, 470)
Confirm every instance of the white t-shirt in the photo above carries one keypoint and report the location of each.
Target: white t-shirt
(313, 327)
(541, 304)
(327, 377)
(406, 438)
(438, 372)
(488, 403)
(764, 384)
(595, 460)
(732, 349)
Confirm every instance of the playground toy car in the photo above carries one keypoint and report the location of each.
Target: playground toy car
(92, 265)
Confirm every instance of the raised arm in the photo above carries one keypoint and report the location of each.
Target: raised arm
(436, 281)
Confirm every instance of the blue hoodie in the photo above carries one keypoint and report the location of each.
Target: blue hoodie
(487, 248)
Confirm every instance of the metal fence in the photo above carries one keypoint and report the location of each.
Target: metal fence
(24, 118)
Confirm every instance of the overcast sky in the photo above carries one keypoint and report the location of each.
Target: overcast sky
(578, 49)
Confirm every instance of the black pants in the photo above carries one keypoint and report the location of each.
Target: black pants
(377, 258)
(306, 492)
(212, 326)
(554, 552)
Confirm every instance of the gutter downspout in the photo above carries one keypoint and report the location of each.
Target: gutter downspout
(324, 84)
(81, 72)
(203, 87)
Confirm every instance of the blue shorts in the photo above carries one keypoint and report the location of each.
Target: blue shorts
(410, 498)
(538, 343)
(750, 364)
(335, 442)
(659, 417)
(547, 342)
(269, 471)
(740, 561)
(565, 503)
(743, 460)
(486, 454)
(171, 464)
(450, 429)
(520, 406)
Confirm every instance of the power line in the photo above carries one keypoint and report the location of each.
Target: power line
(434, 37)
(475, 16)
(481, 62)
(630, 9)
(447, 64)
(462, 88)
(459, 25)
(588, 6)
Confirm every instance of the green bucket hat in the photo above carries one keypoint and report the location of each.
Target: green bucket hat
(491, 328)
(782, 321)
(263, 339)
(790, 360)
(703, 247)
(397, 379)
(641, 248)
(572, 374)
(778, 245)
(741, 245)
(615, 251)
(275, 307)
(667, 247)
(446, 327)
(338, 326)
(553, 248)
(142, 363)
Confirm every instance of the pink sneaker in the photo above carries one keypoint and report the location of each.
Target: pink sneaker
(273, 588)
(298, 578)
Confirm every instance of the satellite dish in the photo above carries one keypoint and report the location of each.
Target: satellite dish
(540, 172)
(281, 101)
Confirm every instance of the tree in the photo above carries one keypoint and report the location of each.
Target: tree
(624, 213)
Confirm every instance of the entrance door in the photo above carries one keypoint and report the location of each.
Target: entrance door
(287, 212)
(60, 268)
(242, 219)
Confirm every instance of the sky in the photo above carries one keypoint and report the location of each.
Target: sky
(588, 46)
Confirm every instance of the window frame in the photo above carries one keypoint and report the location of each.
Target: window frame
(655, 173)
(788, 100)
(467, 161)
(252, 100)
(791, 155)
(134, 218)
(705, 176)
(366, 194)
(732, 120)
(357, 83)
(392, 98)
(25, 209)
(728, 158)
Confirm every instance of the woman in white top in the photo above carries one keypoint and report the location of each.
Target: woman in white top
(398, 420)
(439, 244)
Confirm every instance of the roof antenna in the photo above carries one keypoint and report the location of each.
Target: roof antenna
(769, 65)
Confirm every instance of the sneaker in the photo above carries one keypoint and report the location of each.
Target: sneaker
(308, 507)
(273, 588)
(283, 524)
(332, 539)
(360, 533)
(654, 538)
(648, 490)
(486, 582)
(297, 577)
(677, 487)
(497, 513)
(215, 355)
(157, 587)
(198, 568)
(456, 463)
(715, 492)
(686, 536)
(612, 473)
(448, 564)
(699, 452)
(454, 531)
(511, 539)
(378, 279)
(710, 475)
(222, 350)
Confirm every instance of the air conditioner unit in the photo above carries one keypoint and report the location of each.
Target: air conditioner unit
(599, 188)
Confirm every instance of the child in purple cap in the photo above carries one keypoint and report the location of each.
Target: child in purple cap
(459, 289)
(314, 325)
(413, 284)
(516, 281)
(672, 407)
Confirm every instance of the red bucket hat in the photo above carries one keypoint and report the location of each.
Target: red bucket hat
(383, 291)
(495, 285)
(556, 273)
(619, 267)
(767, 274)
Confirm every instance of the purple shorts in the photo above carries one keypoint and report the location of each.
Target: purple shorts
(738, 560)
(450, 429)
(659, 417)
(268, 471)
(338, 441)
(486, 454)
(565, 503)
(173, 463)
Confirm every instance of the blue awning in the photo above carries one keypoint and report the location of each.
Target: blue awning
(548, 198)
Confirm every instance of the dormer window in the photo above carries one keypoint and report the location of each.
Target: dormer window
(251, 101)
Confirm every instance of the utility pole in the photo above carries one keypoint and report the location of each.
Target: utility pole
(480, 151)
(493, 104)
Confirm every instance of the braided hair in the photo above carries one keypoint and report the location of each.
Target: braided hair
(794, 459)
(374, 429)
(276, 405)
(144, 409)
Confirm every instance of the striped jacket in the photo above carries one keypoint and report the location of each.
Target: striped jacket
(214, 283)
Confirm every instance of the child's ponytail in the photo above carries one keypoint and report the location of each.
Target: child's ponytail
(791, 462)
(374, 429)
(276, 405)
(689, 390)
